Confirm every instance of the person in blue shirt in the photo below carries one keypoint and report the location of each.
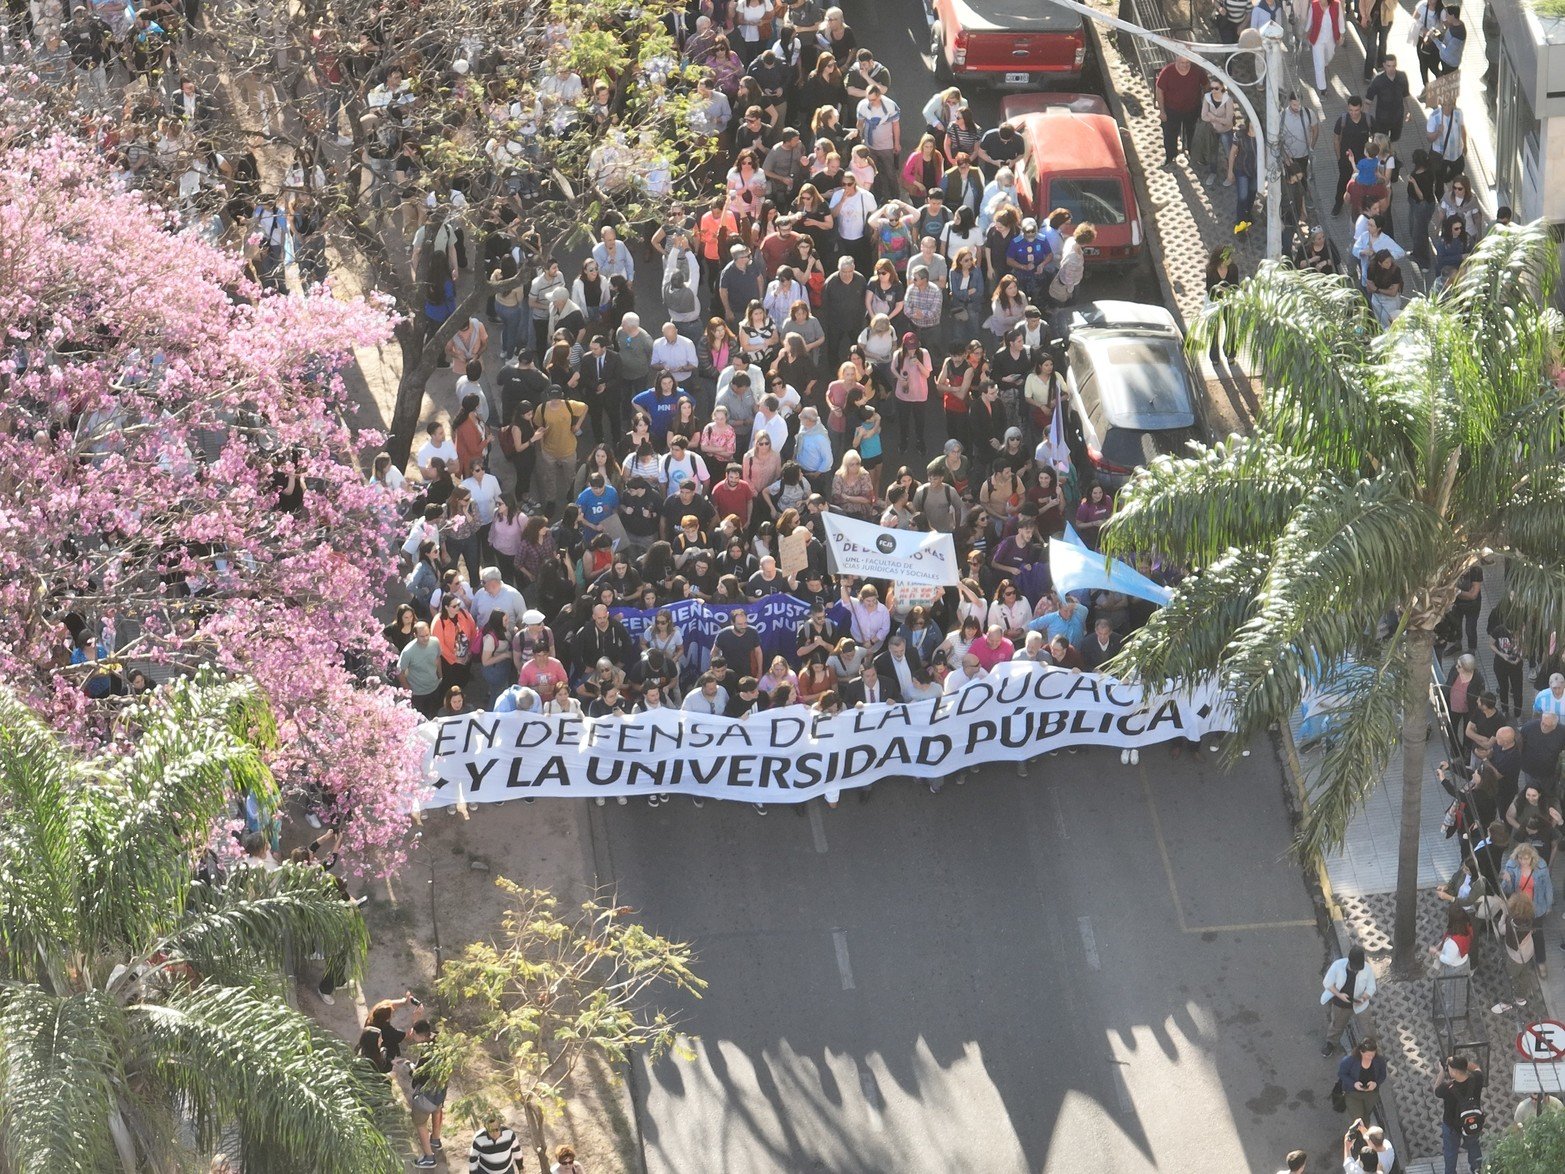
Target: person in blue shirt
(598, 501)
(659, 402)
(1026, 256)
(1070, 621)
(812, 449)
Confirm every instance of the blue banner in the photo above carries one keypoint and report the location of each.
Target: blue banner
(775, 618)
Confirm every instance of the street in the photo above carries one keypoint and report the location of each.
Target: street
(1100, 967)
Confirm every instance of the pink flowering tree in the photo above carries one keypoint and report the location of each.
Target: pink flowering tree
(178, 480)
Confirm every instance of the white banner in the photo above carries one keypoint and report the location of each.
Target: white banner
(792, 754)
(879, 552)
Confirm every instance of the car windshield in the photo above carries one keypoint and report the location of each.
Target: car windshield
(1089, 201)
(1143, 383)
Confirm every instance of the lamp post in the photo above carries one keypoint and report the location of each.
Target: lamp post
(1272, 44)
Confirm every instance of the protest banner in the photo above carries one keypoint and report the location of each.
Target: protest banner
(775, 618)
(791, 754)
(879, 552)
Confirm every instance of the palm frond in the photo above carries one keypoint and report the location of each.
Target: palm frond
(1359, 743)
(38, 867)
(1426, 376)
(1238, 493)
(1535, 592)
(1511, 268)
(194, 750)
(1350, 554)
(1308, 335)
(255, 918)
(1531, 517)
(1184, 642)
(57, 1073)
(300, 1098)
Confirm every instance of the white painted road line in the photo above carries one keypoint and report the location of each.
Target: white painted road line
(818, 828)
(840, 940)
(1089, 942)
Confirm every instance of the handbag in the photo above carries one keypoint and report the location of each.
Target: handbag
(1339, 1099)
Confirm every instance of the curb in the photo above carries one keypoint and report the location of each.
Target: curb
(1336, 928)
(1153, 230)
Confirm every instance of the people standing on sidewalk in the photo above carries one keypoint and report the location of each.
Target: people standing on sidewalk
(1526, 873)
(1349, 985)
(1517, 926)
(1375, 18)
(1426, 26)
(1388, 94)
(1324, 33)
(1179, 89)
(1360, 1075)
(1459, 1088)
(1453, 953)
(1349, 136)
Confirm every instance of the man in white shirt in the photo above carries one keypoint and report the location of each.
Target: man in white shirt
(563, 86)
(676, 354)
(497, 595)
(880, 129)
(539, 299)
(769, 419)
(438, 445)
(971, 670)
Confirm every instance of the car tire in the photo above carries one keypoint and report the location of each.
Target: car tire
(943, 74)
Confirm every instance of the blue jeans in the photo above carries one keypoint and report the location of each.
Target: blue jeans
(512, 324)
(1244, 197)
(1453, 1140)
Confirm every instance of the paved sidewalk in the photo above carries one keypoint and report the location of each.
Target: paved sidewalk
(1363, 879)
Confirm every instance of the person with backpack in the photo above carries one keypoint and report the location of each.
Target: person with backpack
(1459, 1089)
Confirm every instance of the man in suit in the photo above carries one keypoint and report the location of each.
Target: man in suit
(896, 666)
(868, 689)
(195, 109)
(603, 387)
(1100, 647)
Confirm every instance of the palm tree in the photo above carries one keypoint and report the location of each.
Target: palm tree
(1383, 465)
(142, 1017)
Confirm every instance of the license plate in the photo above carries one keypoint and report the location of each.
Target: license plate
(1091, 250)
(1016, 79)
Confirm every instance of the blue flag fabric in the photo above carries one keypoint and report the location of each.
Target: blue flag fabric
(1076, 568)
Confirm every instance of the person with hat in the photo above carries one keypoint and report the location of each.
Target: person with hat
(1347, 988)
(1026, 256)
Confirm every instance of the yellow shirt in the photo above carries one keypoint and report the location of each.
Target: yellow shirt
(563, 417)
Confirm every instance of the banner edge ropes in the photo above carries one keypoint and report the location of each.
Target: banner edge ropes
(1016, 712)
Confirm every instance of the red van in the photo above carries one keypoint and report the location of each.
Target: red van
(1011, 44)
(1073, 159)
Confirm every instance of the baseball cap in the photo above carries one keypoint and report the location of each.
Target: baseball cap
(909, 337)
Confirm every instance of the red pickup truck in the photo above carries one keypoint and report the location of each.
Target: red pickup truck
(1010, 44)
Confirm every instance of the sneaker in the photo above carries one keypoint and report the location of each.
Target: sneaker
(436, 1144)
(1500, 1008)
(1214, 747)
(1124, 757)
(760, 809)
(600, 802)
(1327, 1048)
(1209, 180)
(328, 1000)
(622, 800)
(1021, 770)
(961, 781)
(313, 820)
(1228, 183)
(698, 802)
(1135, 757)
(934, 787)
(426, 1162)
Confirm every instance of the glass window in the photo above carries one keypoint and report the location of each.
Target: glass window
(1089, 201)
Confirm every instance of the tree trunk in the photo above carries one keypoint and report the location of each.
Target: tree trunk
(420, 356)
(540, 1142)
(1415, 737)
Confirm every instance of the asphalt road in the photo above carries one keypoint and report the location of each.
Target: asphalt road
(1099, 968)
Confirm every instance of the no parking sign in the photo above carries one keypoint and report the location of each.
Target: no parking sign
(1543, 1041)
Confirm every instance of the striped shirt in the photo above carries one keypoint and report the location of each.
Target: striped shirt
(494, 1154)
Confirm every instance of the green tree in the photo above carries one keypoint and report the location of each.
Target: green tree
(526, 1010)
(1539, 1148)
(1384, 464)
(141, 1010)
